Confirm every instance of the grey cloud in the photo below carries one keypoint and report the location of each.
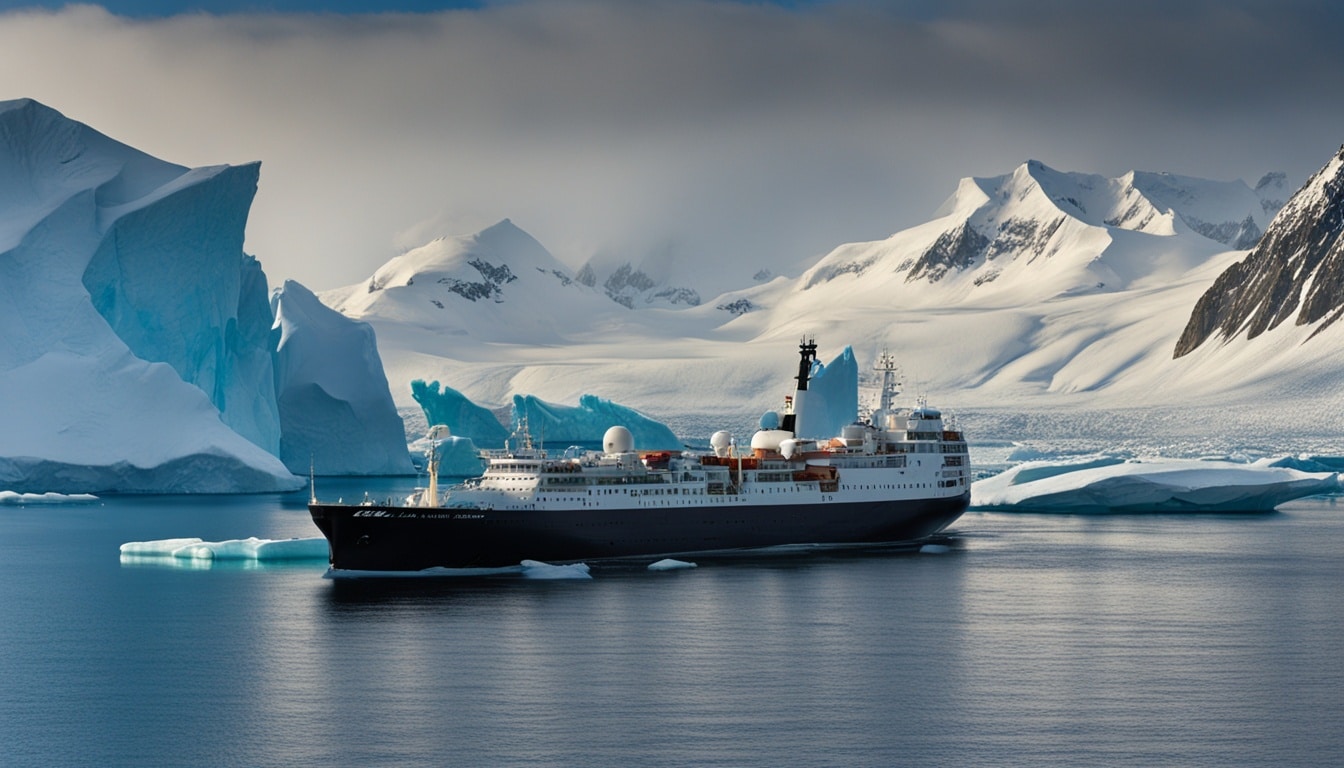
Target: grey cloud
(727, 132)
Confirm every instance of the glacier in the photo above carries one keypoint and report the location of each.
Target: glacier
(445, 405)
(1106, 484)
(585, 423)
(336, 411)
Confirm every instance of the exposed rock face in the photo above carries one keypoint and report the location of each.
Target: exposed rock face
(1297, 269)
(632, 287)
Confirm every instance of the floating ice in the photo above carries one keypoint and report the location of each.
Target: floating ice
(13, 498)
(533, 569)
(669, 564)
(233, 549)
(1173, 485)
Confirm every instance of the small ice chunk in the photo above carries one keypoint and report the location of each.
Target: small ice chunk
(669, 564)
(533, 569)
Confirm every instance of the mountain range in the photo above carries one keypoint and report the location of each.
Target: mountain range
(1034, 292)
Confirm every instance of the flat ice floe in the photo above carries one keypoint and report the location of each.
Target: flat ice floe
(1113, 485)
(13, 498)
(233, 549)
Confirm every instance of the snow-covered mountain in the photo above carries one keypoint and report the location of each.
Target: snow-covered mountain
(1038, 233)
(1029, 296)
(637, 286)
(1296, 271)
(499, 285)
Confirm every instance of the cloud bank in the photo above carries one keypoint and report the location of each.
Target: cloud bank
(714, 132)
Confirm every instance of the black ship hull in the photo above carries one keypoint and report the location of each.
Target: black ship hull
(389, 538)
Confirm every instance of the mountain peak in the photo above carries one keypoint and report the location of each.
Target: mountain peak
(1297, 267)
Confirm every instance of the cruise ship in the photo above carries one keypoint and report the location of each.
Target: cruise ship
(900, 475)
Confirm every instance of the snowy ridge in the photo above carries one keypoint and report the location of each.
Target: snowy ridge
(1298, 264)
(994, 235)
(1040, 305)
(497, 285)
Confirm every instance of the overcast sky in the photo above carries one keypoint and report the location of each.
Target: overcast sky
(703, 131)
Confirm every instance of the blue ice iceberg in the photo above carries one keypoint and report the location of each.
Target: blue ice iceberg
(1096, 486)
(586, 423)
(832, 399)
(446, 406)
(135, 330)
(336, 411)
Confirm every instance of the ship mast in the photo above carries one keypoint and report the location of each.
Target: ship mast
(886, 364)
(431, 495)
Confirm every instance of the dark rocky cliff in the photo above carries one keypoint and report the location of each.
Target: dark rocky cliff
(1296, 269)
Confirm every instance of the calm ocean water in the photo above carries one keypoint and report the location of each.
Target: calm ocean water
(1037, 640)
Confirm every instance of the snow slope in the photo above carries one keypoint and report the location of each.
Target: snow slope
(94, 395)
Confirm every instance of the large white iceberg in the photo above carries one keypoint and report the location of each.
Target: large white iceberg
(137, 352)
(586, 423)
(133, 328)
(336, 412)
(1113, 485)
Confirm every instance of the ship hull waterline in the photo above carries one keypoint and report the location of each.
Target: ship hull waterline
(374, 537)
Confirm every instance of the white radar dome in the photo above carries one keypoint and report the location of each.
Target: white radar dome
(618, 440)
(720, 442)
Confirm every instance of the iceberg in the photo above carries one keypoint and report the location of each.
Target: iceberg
(336, 411)
(198, 554)
(11, 498)
(133, 352)
(1096, 486)
(668, 564)
(832, 397)
(587, 422)
(445, 405)
(233, 549)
